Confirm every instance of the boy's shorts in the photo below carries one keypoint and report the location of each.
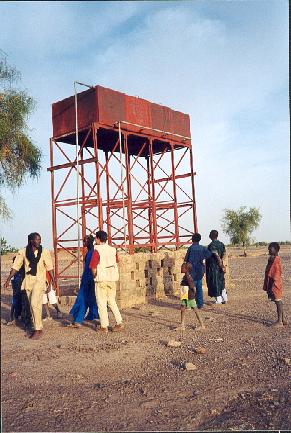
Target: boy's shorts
(189, 303)
(50, 298)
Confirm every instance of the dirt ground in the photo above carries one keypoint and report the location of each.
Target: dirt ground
(78, 380)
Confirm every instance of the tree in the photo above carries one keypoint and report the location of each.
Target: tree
(239, 225)
(19, 157)
(5, 248)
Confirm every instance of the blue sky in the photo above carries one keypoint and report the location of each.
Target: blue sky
(223, 62)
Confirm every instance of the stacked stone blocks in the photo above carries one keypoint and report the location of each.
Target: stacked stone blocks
(145, 276)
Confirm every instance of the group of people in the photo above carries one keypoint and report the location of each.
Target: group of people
(193, 269)
(98, 285)
(33, 282)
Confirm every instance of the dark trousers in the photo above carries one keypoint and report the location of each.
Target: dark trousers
(199, 293)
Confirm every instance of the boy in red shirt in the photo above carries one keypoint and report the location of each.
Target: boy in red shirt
(273, 282)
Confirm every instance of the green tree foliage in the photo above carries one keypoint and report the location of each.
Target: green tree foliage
(19, 157)
(5, 248)
(239, 225)
(260, 244)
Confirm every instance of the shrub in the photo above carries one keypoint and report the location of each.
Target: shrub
(6, 248)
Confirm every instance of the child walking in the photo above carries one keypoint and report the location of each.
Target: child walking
(187, 296)
(273, 282)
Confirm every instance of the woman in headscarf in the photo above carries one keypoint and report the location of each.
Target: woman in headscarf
(86, 299)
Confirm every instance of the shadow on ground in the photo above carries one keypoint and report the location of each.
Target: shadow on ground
(251, 411)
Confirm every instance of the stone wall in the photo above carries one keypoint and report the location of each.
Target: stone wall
(145, 276)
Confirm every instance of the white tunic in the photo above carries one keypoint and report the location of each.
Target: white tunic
(107, 268)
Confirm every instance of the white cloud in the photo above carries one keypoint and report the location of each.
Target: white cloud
(176, 55)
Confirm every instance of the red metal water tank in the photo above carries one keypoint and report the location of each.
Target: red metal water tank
(106, 107)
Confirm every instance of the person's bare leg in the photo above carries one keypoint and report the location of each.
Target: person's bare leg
(284, 320)
(48, 314)
(279, 323)
(199, 318)
(12, 316)
(59, 313)
(183, 312)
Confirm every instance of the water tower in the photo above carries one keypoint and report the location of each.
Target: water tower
(124, 165)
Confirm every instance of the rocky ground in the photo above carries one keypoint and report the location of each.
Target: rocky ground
(79, 380)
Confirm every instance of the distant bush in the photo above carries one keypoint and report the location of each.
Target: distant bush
(261, 244)
(6, 248)
(264, 244)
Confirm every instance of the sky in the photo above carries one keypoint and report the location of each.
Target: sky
(225, 63)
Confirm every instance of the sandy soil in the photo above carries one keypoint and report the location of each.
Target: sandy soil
(79, 380)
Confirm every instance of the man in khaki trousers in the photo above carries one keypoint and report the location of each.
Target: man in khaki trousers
(105, 271)
(37, 260)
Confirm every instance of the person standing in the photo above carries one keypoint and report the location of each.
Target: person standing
(37, 261)
(195, 255)
(16, 305)
(273, 282)
(86, 299)
(105, 271)
(215, 270)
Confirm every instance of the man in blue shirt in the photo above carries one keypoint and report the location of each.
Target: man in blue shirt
(195, 255)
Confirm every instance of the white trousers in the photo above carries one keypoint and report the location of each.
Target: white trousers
(222, 298)
(105, 295)
(50, 298)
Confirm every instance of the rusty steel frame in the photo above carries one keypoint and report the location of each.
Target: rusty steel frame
(148, 225)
